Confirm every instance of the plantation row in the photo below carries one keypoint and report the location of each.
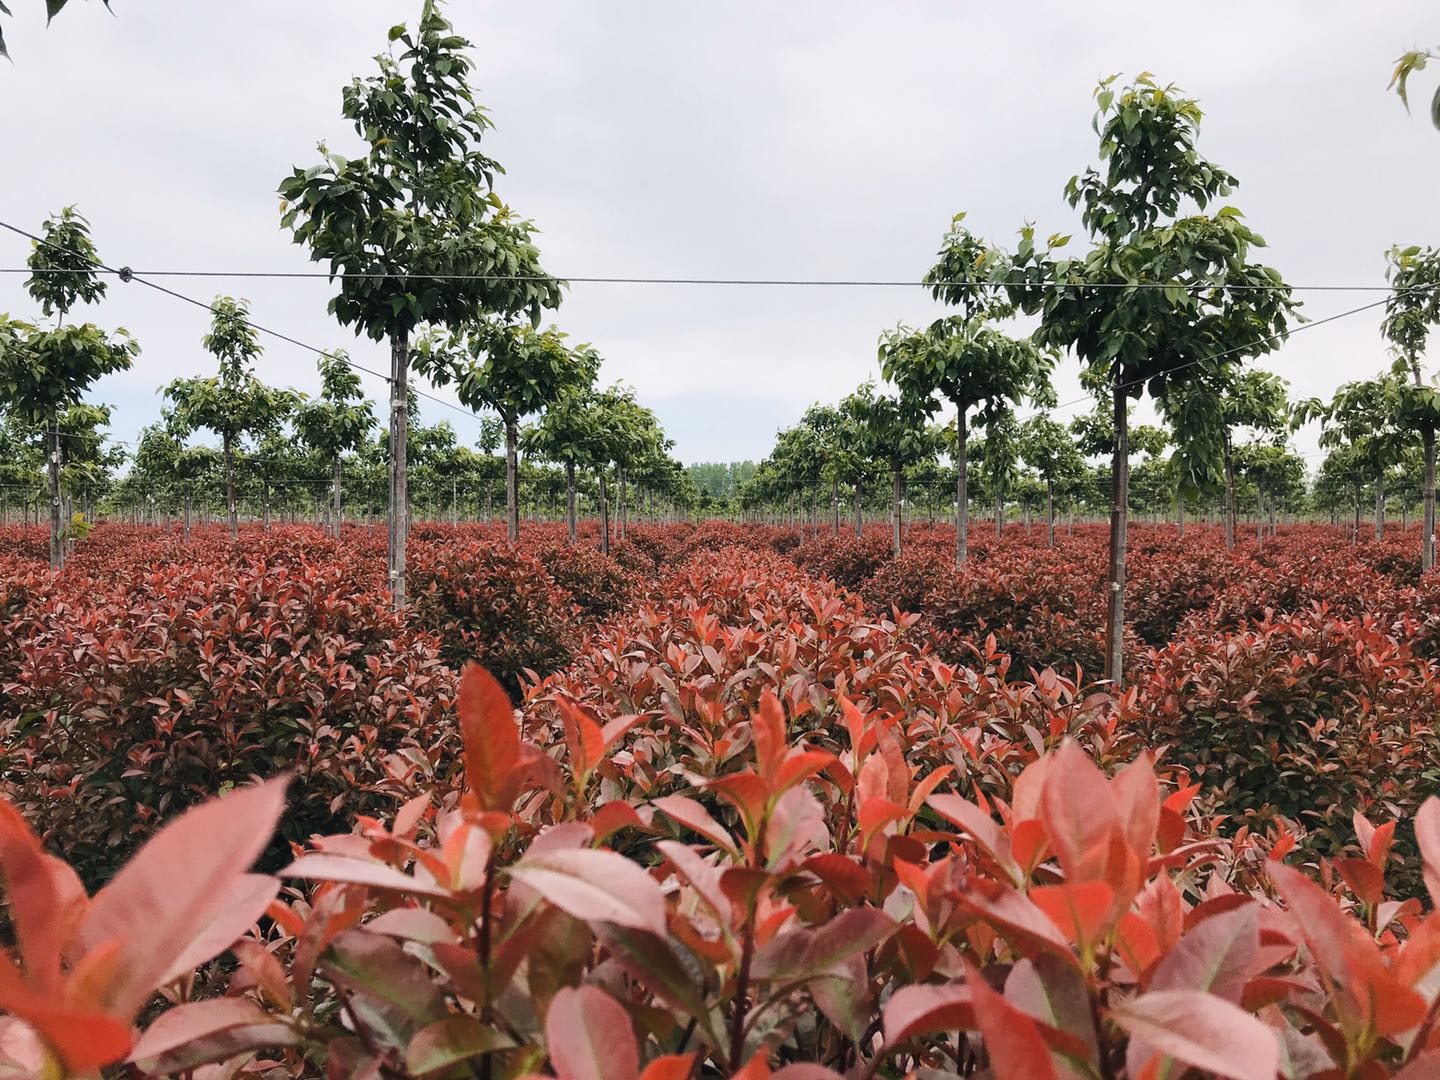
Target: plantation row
(770, 803)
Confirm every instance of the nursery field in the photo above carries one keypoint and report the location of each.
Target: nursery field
(765, 800)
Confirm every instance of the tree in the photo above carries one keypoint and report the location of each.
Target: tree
(43, 372)
(1046, 446)
(1411, 312)
(232, 403)
(1368, 417)
(513, 370)
(412, 229)
(1275, 473)
(1255, 400)
(569, 434)
(1163, 301)
(972, 366)
(339, 420)
(850, 457)
(1407, 65)
(897, 434)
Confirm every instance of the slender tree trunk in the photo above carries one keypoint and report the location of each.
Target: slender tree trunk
(52, 468)
(835, 507)
(1259, 513)
(399, 515)
(858, 515)
(895, 521)
(1229, 494)
(604, 515)
(962, 488)
(1355, 532)
(265, 504)
(335, 509)
(620, 496)
(570, 498)
(1050, 509)
(1427, 524)
(189, 507)
(512, 480)
(1180, 514)
(229, 453)
(999, 512)
(1380, 506)
(1119, 510)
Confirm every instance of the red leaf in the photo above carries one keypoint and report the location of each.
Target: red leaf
(589, 1036)
(593, 885)
(1215, 956)
(925, 1010)
(1080, 910)
(491, 737)
(1079, 812)
(1427, 832)
(164, 899)
(1202, 1031)
(1012, 1038)
(194, 1020)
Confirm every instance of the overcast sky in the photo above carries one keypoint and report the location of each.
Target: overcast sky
(805, 139)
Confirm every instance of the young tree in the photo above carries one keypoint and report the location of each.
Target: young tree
(1367, 416)
(412, 229)
(339, 420)
(850, 457)
(569, 434)
(1411, 312)
(1046, 446)
(1255, 400)
(513, 370)
(1164, 300)
(233, 403)
(897, 433)
(972, 366)
(43, 372)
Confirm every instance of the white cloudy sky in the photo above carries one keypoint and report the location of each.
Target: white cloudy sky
(809, 139)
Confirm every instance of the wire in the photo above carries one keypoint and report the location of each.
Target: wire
(1278, 336)
(126, 274)
(855, 283)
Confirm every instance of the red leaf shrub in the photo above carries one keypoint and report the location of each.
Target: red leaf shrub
(493, 603)
(845, 911)
(598, 584)
(129, 698)
(845, 559)
(1310, 716)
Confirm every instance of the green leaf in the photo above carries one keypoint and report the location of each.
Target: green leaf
(52, 8)
(397, 30)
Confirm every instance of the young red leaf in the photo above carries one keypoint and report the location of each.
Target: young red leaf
(1215, 956)
(164, 898)
(589, 1036)
(1012, 1038)
(491, 737)
(595, 885)
(1203, 1031)
(924, 1010)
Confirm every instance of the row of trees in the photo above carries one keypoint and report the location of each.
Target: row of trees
(1166, 300)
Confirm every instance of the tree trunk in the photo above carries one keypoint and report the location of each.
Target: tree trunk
(604, 515)
(1180, 514)
(399, 515)
(335, 510)
(1355, 532)
(835, 507)
(1050, 509)
(512, 473)
(962, 488)
(570, 498)
(229, 452)
(1259, 513)
(857, 510)
(620, 495)
(52, 468)
(999, 512)
(1229, 494)
(1380, 506)
(265, 504)
(1119, 498)
(1427, 526)
(895, 521)
(189, 507)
